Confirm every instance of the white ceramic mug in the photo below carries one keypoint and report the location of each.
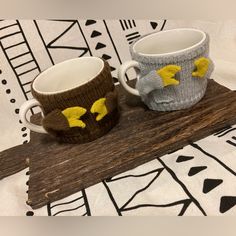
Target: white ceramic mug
(70, 95)
(172, 68)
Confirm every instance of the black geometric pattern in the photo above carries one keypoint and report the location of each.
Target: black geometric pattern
(154, 24)
(210, 184)
(99, 46)
(194, 180)
(184, 158)
(90, 22)
(226, 203)
(78, 204)
(95, 33)
(128, 205)
(196, 169)
(106, 57)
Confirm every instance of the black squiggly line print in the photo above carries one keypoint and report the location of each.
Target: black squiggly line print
(19, 55)
(86, 202)
(19, 82)
(14, 45)
(142, 189)
(164, 23)
(66, 203)
(72, 209)
(121, 23)
(22, 64)
(84, 37)
(35, 61)
(127, 176)
(49, 209)
(7, 26)
(50, 44)
(112, 198)
(185, 202)
(231, 143)
(41, 36)
(227, 132)
(113, 44)
(222, 130)
(194, 200)
(9, 35)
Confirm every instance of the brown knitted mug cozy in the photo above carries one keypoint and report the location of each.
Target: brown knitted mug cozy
(56, 124)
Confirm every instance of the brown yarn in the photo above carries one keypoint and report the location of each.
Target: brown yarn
(83, 96)
(111, 101)
(56, 121)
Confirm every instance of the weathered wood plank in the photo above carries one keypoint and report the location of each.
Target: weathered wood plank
(58, 170)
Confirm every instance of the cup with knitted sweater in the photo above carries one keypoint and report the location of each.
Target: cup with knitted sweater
(78, 100)
(172, 67)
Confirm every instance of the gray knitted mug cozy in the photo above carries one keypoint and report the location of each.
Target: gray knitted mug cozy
(173, 97)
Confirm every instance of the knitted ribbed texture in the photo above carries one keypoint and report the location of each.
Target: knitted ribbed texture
(83, 96)
(174, 97)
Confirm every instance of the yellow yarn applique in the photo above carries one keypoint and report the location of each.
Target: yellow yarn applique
(202, 65)
(99, 107)
(73, 115)
(167, 74)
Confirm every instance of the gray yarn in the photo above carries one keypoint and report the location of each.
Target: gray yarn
(173, 97)
(149, 82)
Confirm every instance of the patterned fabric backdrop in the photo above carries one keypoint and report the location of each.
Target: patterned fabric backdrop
(196, 180)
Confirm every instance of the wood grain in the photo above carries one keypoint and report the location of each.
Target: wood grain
(59, 170)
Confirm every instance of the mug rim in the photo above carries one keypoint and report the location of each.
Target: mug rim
(38, 77)
(169, 53)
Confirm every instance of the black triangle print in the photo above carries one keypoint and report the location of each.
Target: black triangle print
(95, 33)
(226, 203)
(112, 68)
(115, 80)
(184, 158)
(154, 24)
(106, 57)
(210, 184)
(100, 45)
(90, 22)
(196, 169)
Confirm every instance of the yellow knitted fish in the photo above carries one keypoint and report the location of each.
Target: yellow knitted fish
(73, 115)
(100, 108)
(202, 65)
(167, 74)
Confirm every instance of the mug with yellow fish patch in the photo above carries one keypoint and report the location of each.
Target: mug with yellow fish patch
(78, 100)
(172, 67)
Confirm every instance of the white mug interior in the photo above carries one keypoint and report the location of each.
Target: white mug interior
(169, 42)
(68, 75)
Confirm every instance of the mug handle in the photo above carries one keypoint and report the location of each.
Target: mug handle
(23, 111)
(121, 76)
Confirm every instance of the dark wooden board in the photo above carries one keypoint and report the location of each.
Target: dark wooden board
(13, 160)
(59, 170)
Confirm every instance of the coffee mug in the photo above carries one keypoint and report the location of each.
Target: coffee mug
(78, 100)
(172, 68)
